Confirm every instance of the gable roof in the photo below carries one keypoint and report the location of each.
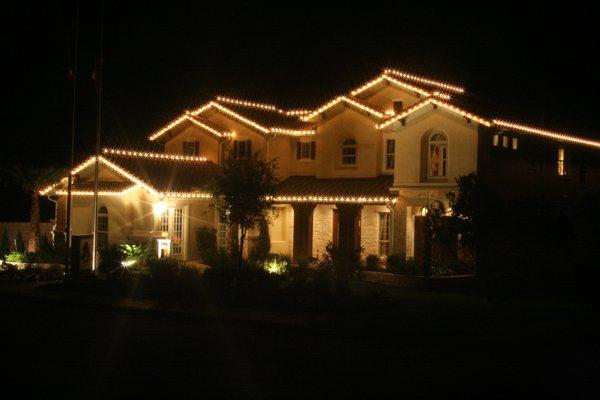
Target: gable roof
(158, 173)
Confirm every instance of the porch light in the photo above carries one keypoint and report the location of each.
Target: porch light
(160, 207)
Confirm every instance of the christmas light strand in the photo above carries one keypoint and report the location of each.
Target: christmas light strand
(158, 156)
(415, 78)
(331, 199)
(545, 133)
(438, 103)
(349, 100)
(385, 77)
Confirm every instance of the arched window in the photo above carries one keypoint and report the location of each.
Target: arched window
(102, 227)
(349, 152)
(438, 155)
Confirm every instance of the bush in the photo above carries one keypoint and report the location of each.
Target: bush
(16, 257)
(4, 244)
(206, 242)
(110, 259)
(339, 264)
(277, 264)
(372, 262)
(442, 270)
(398, 264)
(134, 254)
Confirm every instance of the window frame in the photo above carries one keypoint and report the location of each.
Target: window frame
(389, 160)
(384, 217)
(103, 222)
(443, 161)
(561, 162)
(349, 144)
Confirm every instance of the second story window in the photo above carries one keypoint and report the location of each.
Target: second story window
(561, 163)
(349, 152)
(306, 150)
(242, 148)
(390, 149)
(191, 148)
(438, 155)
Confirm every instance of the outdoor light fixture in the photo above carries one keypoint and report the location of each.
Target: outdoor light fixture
(160, 207)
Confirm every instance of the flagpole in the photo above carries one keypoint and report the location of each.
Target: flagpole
(72, 160)
(98, 131)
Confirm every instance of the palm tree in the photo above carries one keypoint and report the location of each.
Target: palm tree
(31, 180)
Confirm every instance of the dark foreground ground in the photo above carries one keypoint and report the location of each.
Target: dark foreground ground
(430, 346)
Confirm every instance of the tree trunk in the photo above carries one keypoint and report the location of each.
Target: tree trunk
(34, 241)
(241, 250)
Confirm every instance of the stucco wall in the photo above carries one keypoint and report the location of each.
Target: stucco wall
(462, 146)
(385, 97)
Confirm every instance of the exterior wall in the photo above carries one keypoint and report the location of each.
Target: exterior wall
(209, 143)
(411, 155)
(281, 230)
(131, 218)
(369, 221)
(348, 124)
(385, 97)
(531, 170)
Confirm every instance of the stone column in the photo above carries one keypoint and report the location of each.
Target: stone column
(349, 226)
(303, 230)
(399, 227)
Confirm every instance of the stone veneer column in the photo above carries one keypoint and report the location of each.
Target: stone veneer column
(349, 226)
(399, 221)
(303, 234)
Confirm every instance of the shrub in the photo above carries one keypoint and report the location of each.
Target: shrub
(16, 257)
(110, 258)
(134, 253)
(19, 244)
(4, 244)
(276, 264)
(442, 270)
(263, 243)
(395, 263)
(163, 270)
(339, 264)
(206, 242)
(372, 262)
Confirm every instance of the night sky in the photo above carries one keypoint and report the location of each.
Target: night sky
(537, 66)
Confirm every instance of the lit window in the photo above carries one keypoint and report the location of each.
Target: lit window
(242, 148)
(505, 141)
(390, 146)
(177, 234)
(164, 221)
(438, 155)
(349, 152)
(515, 143)
(495, 140)
(191, 148)
(561, 166)
(102, 228)
(306, 150)
(384, 234)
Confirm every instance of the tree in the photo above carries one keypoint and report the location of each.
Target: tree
(263, 245)
(31, 180)
(243, 189)
(4, 244)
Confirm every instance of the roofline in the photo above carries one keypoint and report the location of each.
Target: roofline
(348, 100)
(431, 101)
(428, 81)
(545, 133)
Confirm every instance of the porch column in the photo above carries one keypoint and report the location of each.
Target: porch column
(349, 226)
(400, 218)
(303, 232)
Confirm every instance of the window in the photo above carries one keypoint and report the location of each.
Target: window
(515, 143)
(495, 140)
(191, 148)
(398, 106)
(306, 150)
(349, 152)
(177, 235)
(242, 148)
(561, 164)
(222, 232)
(505, 141)
(384, 234)
(390, 148)
(438, 155)
(102, 228)
(164, 221)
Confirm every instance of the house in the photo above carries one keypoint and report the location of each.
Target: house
(358, 170)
